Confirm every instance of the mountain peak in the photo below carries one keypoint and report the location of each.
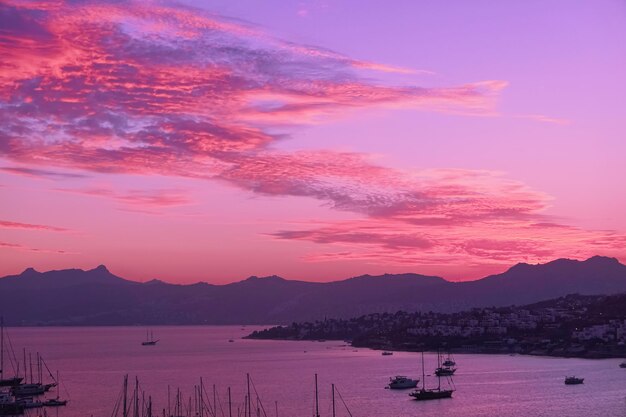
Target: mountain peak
(100, 268)
(30, 271)
(274, 278)
(602, 260)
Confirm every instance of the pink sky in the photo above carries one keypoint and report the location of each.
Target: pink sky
(313, 140)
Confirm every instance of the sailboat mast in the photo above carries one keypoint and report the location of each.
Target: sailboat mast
(1, 347)
(136, 411)
(125, 402)
(215, 399)
(201, 389)
(333, 389)
(423, 373)
(249, 402)
(317, 405)
(230, 405)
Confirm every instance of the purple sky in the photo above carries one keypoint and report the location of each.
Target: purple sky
(314, 140)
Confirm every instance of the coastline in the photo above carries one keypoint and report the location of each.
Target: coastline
(474, 350)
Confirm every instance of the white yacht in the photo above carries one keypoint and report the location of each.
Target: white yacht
(402, 382)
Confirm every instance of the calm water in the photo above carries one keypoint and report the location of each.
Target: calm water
(92, 362)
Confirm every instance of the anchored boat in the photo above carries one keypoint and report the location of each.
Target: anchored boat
(402, 382)
(424, 394)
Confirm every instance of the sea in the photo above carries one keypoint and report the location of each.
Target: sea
(92, 363)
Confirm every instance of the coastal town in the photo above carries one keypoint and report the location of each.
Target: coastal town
(571, 326)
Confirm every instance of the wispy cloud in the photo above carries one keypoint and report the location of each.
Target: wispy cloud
(41, 173)
(145, 201)
(28, 226)
(20, 247)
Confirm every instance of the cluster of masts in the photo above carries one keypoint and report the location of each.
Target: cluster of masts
(134, 402)
(24, 387)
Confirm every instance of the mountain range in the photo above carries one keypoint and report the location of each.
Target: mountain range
(98, 297)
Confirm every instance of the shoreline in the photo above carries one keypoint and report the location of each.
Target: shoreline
(469, 351)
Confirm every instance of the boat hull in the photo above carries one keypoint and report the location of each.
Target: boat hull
(27, 390)
(55, 403)
(403, 385)
(444, 372)
(425, 395)
(10, 382)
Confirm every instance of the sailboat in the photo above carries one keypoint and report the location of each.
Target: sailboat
(55, 402)
(449, 361)
(5, 382)
(424, 394)
(150, 341)
(32, 388)
(446, 368)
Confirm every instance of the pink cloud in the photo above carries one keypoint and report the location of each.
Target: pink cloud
(16, 246)
(146, 201)
(41, 173)
(28, 226)
(172, 90)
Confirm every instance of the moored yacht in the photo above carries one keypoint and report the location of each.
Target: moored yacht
(572, 380)
(27, 390)
(402, 382)
(449, 361)
(424, 394)
(444, 369)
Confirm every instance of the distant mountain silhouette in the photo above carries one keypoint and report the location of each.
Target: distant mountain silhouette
(97, 297)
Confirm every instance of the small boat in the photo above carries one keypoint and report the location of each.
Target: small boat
(402, 382)
(55, 402)
(572, 380)
(622, 365)
(387, 353)
(150, 341)
(425, 394)
(231, 341)
(445, 371)
(431, 394)
(442, 368)
(449, 361)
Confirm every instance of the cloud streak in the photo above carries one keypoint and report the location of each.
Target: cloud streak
(28, 226)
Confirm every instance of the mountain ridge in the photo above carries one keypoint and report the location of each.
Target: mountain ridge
(98, 297)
